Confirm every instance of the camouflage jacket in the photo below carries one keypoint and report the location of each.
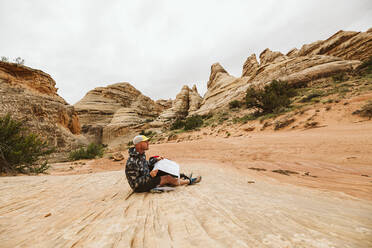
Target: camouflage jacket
(138, 169)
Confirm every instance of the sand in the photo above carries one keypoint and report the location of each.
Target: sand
(327, 204)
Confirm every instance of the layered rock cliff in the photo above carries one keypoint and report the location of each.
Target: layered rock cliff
(111, 112)
(30, 95)
(341, 53)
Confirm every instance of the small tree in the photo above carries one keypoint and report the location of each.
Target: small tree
(4, 59)
(271, 98)
(19, 61)
(20, 150)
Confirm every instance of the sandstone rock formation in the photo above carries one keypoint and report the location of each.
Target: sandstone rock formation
(344, 44)
(186, 102)
(106, 113)
(268, 56)
(250, 66)
(341, 53)
(30, 95)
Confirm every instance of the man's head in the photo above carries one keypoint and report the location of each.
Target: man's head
(141, 143)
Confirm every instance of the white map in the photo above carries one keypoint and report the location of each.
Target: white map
(168, 166)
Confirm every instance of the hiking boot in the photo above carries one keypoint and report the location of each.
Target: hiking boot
(195, 180)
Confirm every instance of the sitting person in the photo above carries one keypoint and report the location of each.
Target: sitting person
(138, 173)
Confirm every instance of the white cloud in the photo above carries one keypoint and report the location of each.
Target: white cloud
(158, 46)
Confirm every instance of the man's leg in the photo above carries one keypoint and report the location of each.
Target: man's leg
(173, 181)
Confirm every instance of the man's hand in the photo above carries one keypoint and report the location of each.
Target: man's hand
(160, 158)
(153, 173)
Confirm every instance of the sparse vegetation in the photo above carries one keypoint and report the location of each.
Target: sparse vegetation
(90, 152)
(190, 123)
(177, 124)
(273, 98)
(365, 111)
(17, 60)
(311, 96)
(193, 122)
(340, 77)
(20, 150)
(235, 104)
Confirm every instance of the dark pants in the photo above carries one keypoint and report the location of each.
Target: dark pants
(150, 185)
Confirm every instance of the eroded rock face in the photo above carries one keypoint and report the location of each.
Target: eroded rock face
(348, 45)
(194, 99)
(186, 102)
(221, 90)
(30, 95)
(268, 56)
(250, 66)
(106, 112)
(340, 53)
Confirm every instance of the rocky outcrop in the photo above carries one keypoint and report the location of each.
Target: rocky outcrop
(222, 87)
(348, 45)
(268, 56)
(106, 112)
(250, 66)
(186, 102)
(194, 99)
(340, 53)
(30, 95)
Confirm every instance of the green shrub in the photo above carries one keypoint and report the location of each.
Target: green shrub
(272, 98)
(193, 122)
(235, 104)
(92, 151)
(19, 150)
(312, 95)
(339, 77)
(177, 124)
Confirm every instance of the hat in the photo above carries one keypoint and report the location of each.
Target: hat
(139, 138)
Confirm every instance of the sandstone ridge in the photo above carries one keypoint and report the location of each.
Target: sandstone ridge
(30, 95)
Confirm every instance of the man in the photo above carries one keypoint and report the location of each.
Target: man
(138, 172)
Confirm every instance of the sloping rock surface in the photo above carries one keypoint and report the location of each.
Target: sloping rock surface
(344, 44)
(30, 95)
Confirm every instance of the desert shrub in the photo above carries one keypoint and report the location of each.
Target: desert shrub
(20, 150)
(339, 77)
(312, 95)
(235, 104)
(177, 124)
(271, 98)
(207, 116)
(365, 111)
(91, 151)
(245, 118)
(193, 122)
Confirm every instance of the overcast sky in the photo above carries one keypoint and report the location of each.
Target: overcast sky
(159, 46)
